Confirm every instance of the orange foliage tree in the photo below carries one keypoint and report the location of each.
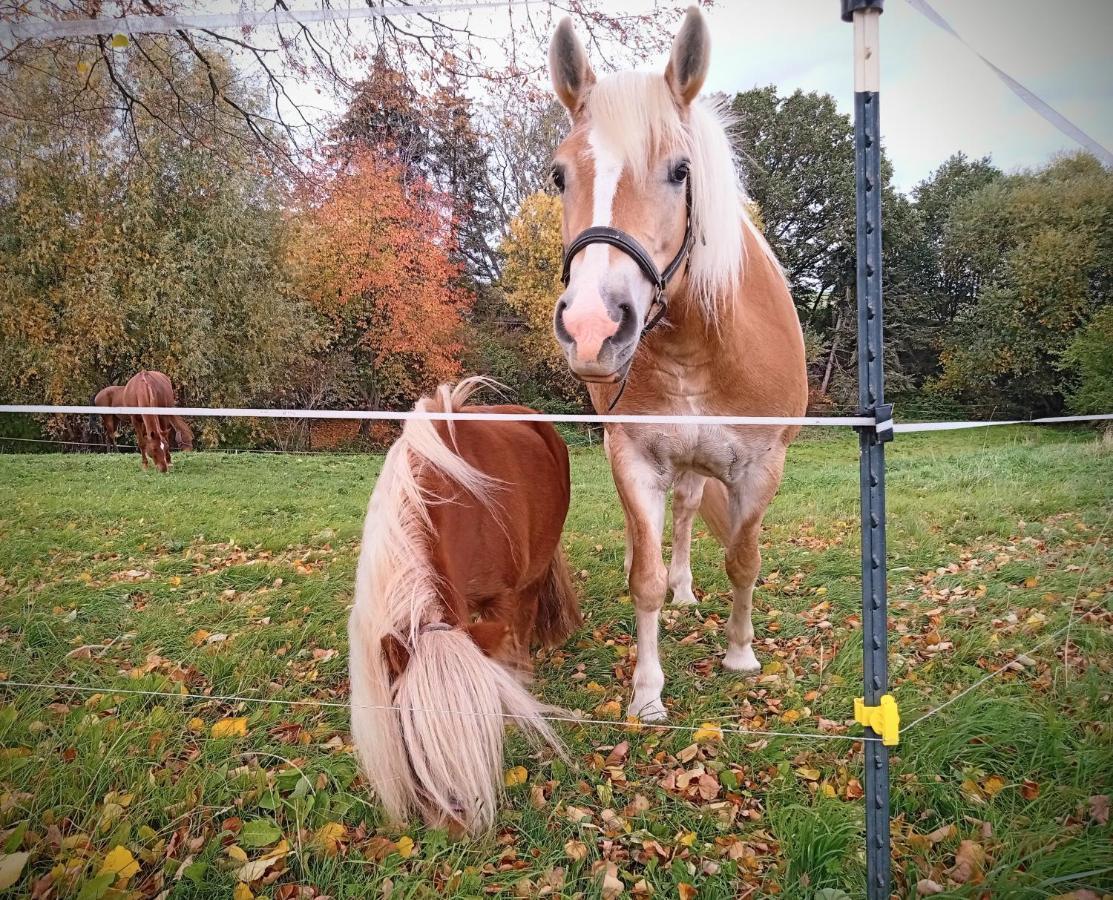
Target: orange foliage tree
(372, 253)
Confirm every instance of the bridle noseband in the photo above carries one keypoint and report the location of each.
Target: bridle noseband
(659, 278)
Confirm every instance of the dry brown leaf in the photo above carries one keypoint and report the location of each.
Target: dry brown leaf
(1099, 808)
(926, 886)
(575, 850)
(969, 859)
(686, 891)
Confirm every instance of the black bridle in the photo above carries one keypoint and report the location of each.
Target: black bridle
(659, 278)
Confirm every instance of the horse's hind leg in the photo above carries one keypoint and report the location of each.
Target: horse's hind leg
(686, 495)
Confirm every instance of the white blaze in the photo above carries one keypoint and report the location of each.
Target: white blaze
(608, 171)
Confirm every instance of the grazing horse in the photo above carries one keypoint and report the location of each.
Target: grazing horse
(152, 433)
(674, 304)
(183, 434)
(109, 396)
(460, 573)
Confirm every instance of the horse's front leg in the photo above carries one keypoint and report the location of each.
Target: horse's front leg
(686, 495)
(748, 502)
(642, 490)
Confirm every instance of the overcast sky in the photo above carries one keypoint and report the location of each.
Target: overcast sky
(937, 96)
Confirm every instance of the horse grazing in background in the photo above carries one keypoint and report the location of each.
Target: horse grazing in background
(460, 573)
(109, 396)
(674, 304)
(152, 432)
(179, 428)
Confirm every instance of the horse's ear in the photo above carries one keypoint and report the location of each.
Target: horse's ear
(569, 68)
(691, 55)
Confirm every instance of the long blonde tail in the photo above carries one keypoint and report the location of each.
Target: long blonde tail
(430, 740)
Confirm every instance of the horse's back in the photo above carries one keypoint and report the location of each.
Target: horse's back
(509, 542)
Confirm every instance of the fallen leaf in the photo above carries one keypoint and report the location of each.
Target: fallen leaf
(517, 775)
(196, 725)
(686, 891)
(577, 814)
(175, 581)
(968, 863)
(242, 892)
(236, 852)
(808, 774)
(121, 863)
(234, 727)
(708, 731)
(575, 850)
(687, 838)
(1099, 808)
(612, 886)
(257, 868)
(11, 867)
(994, 785)
(405, 846)
(330, 836)
(612, 709)
(926, 886)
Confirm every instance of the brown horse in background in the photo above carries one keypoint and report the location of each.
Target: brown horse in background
(110, 396)
(152, 432)
(460, 573)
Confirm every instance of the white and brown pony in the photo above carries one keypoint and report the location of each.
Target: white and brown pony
(656, 234)
(460, 573)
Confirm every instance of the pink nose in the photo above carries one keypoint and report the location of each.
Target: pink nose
(588, 324)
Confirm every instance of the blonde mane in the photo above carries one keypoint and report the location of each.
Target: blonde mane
(638, 117)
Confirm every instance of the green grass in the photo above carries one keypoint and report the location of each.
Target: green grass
(232, 576)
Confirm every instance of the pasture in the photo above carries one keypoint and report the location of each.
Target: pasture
(232, 577)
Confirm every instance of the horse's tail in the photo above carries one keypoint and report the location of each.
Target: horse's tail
(427, 704)
(558, 609)
(714, 509)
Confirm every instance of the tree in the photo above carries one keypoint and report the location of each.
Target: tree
(532, 254)
(373, 256)
(134, 76)
(797, 157)
(1090, 358)
(1040, 248)
(112, 264)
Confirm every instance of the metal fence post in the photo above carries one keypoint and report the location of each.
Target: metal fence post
(865, 15)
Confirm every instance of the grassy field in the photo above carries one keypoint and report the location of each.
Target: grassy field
(232, 577)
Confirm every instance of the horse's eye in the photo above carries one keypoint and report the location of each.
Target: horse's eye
(556, 176)
(679, 173)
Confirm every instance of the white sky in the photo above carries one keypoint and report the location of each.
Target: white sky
(937, 96)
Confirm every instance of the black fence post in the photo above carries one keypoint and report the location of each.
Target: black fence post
(865, 15)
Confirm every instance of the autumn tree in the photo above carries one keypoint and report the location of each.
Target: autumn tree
(532, 254)
(373, 255)
(113, 263)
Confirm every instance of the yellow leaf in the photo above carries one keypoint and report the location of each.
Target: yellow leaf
(234, 727)
(121, 863)
(971, 791)
(1031, 581)
(993, 785)
(709, 731)
(405, 846)
(687, 838)
(119, 40)
(609, 710)
(11, 867)
(198, 637)
(820, 591)
(791, 715)
(686, 891)
(242, 892)
(196, 725)
(517, 775)
(773, 667)
(175, 580)
(329, 836)
(827, 789)
(236, 852)
(808, 774)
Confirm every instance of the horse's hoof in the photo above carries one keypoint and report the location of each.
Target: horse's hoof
(741, 660)
(648, 711)
(684, 598)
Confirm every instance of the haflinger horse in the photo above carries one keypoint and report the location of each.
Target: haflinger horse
(674, 304)
(152, 432)
(460, 573)
(113, 396)
(110, 396)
